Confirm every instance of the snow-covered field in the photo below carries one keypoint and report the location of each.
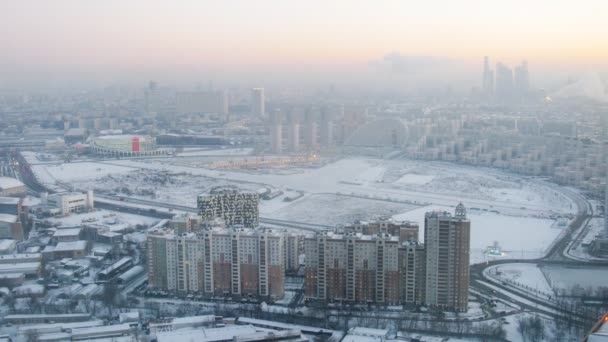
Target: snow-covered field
(528, 276)
(567, 278)
(330, 209)
(488, 227)
(502, 207)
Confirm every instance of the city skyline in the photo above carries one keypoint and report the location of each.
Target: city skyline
(313, 42)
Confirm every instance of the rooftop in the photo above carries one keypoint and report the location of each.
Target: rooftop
(8, 218)
(9, 200)
(65, 246)
(7, 243)
(67, 232)
(206, 335)
(7, 183)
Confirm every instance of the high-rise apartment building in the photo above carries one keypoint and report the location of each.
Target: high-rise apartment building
(412, 269)
(447, 243)
(233, 206)
(383, 262)
(352, 267)
(294, 247)
(156, 250)
(218, 262)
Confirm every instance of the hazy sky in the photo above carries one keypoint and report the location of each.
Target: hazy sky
(141, 38)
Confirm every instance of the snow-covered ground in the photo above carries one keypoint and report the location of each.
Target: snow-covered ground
(116, 221)
(525, 276)
(502, 207)
(488, 227)
(566, 278)
(69, 172)
(330, 209)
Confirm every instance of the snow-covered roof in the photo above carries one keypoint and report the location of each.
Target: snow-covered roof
(121, 136)
(362, 331)
(11, 275)
(24, 267)
(29, 289)
(70, 246)
(67, 232)
(9, 200)
(132, 316)
(8, 218)
(8, 182)
(205, 335)
(7, 244)
(20, 256)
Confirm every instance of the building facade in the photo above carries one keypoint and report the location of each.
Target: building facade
(218, 262)
(352, 267)
(406, 231)
(232, 206)
(69, 202)
(447, 245)
(382, 262)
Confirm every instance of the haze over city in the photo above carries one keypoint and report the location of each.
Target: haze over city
(303, 171)
(311, 43)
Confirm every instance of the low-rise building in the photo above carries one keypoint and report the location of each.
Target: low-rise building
(11, 187)
(10, 227)
(7, 246)
(69, 202)
(66, 234)
(70, 249)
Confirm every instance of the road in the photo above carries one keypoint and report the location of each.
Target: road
(555, 256)
(121, 203)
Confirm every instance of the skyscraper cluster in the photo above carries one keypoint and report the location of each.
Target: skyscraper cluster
(504, 84)
(351, 266)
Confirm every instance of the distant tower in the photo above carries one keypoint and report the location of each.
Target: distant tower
(504, 82)
(257, 102)
(276, 132)
(293, 127)
(310, 128)
(522, 79)
(487, 78)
